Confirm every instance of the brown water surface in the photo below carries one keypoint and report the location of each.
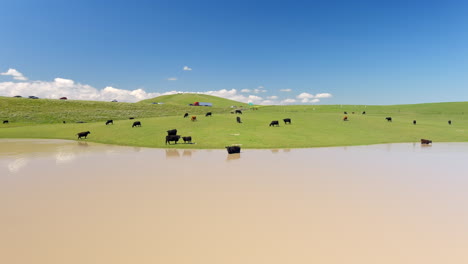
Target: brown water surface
(70, 202)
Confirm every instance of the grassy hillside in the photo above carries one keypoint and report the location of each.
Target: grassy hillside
(312, 126)
(186, 99)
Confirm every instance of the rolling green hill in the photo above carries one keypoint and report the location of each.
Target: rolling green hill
(312, 125)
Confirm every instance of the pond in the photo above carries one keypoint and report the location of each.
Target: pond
(75, 202)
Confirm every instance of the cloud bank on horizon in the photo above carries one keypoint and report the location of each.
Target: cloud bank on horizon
(60, 87)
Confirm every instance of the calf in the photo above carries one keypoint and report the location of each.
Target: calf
(345, 118)
(136, 123)
(83, 134)
(389, 119)
(172, 132)
(185, 115)
(174, 138)
(414, 122)
(426, 141)
(109, 122)
(238, 111)
(5, 121)
(187, 139)
(274, 123)
(287, 121)
(233, 149)
(208, 114)
(238, 119)
(193, 118)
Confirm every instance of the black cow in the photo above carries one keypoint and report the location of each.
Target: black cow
(172, 132)
(208, 114)
(109, 122)
(287, 121)
(238, 112)
(364, 112)
(238, 119)
(83, 134)
(187, 139)
(426, 141)
(414, 122)
(5, 121)
(64, 121)
(450, 122)
(345, 112)
(131, 118)
(174, 138)
(274, 123)
(185, 115)
(233, 149)
(389, 119)
(136, 123)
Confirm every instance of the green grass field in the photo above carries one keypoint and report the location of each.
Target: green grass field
(312, 125)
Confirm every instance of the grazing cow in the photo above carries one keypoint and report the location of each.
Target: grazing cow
(414, 122)
(345, 118)
(193, 118)
(174, 138)
(274, 123)
(208, 114)
(237, 111)
(233, 149)
(345, 112)
(131, 118)
(187, 139)
(185, 115)
(287, 121)
(426, 141)
(172, 132)
(238, 119)
(64, 121)
(136, 123)
(5, 121)
(83, 134)
(109, 122)
(450, 122)
(80, 122)
(389, 119)
(364, 112)
(352, 113)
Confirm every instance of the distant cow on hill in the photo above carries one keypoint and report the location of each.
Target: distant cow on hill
(174, 138)
(185, 115)
(172, 132)
(131, 118)
(238, 119)
(414, 122)
(5, 121)
(136, 124)
(187, 139)
(450, 122)
(238, 111)
(345, 118)
(233, 149)
(208, 114)
(193, 118)
(83, 134)
(109, 122)
(426, 141)
(274, 123)
(389, 119)
(364, 112)
(345, 112)
(287, 121)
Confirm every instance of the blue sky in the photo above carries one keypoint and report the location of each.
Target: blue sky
(314, 52)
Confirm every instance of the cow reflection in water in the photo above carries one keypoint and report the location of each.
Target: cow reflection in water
(83, 144)
(233, 156)
(274, 150)
(172, 153)
(187, 153)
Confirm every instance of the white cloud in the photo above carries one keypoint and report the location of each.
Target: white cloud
(323, 95)
(305, 96)
(274, 97)
(288, 101)
(315, 100)
(245, 91)
(258, 90)
(15, 74)
(172, 79)
(285, 90)
(187, 68)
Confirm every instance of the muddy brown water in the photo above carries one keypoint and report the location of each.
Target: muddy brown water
(75, 202)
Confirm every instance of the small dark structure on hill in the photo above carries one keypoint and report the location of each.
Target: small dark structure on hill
(233, 149)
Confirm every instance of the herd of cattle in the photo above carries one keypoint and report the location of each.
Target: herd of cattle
(173, 137)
